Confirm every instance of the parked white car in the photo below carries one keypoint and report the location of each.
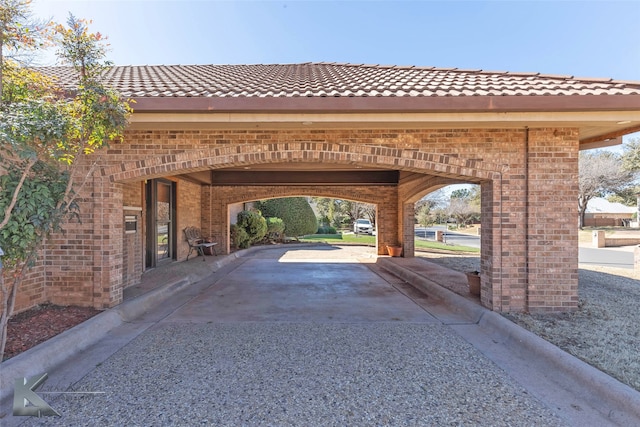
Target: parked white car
(362, 226)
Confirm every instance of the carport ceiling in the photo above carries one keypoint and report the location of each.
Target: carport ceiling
(295, 174)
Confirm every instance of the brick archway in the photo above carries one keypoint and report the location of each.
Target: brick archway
(424, 171)
(529, 245)
(473, 170)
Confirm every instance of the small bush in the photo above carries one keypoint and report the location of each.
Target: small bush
(326, 229)
(275, 229)
(239, 237)
(250, 228)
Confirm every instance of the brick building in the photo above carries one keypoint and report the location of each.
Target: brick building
(205, 137)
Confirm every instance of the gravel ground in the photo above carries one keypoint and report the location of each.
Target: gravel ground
(282, 374)
(603, 332)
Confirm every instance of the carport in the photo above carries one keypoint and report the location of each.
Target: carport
(204, 137)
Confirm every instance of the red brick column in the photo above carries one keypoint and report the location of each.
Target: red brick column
(491, 248)
(407, 228)
(215, 216)
(552, 236)
(86, 263)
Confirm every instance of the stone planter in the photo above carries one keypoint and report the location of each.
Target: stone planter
(474, 282)
(394, 250)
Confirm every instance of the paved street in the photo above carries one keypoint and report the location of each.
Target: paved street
(606, 257)
(451, 237)
(300, 337)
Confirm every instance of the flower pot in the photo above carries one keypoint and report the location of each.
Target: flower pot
(474, 283)
(394, 250)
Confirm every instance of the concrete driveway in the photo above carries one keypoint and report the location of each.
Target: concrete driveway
(303, 337)
(319, 285)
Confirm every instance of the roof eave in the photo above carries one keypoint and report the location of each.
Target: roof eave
(388, 104)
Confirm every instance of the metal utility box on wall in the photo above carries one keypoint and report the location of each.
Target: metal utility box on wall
(130, 224)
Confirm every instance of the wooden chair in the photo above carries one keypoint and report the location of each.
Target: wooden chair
(197, 242)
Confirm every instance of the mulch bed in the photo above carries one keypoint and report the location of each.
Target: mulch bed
(29, 328)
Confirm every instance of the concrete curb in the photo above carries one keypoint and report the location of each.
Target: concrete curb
(56, 350)
(606, 388)
(457, 303)
(47, 355)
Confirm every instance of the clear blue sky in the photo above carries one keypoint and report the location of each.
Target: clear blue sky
(580, 38)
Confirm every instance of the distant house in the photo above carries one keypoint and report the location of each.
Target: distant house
(602, 213)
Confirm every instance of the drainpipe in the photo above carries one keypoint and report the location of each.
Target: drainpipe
(526, 215)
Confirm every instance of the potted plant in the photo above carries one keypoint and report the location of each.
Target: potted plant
(473, 277)
(394, 250)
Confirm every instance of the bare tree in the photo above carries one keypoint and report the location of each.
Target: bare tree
(600, 172)
(463, 210)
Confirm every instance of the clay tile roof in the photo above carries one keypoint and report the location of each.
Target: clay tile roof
(339, 80)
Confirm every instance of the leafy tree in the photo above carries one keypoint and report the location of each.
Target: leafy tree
(296, 213)
(631, 155)
(627, 196)
(630, 162)
(337, 212)
(47, 137)
(426, 209)
(424, 215)
(471, 195)
(599, 173)
(461, 193)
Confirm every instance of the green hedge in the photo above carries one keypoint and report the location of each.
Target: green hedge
(326, 229)
(295, 212)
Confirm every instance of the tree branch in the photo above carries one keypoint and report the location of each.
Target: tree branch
(14, 198)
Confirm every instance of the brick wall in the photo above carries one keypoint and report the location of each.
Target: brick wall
(529, 238)
(552, 241)
(32, 291)
(133, 248)
(189, 213)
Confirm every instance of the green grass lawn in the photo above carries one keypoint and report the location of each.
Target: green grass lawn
(371, 240)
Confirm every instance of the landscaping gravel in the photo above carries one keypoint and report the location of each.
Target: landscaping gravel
(603, 332)
(299, 374)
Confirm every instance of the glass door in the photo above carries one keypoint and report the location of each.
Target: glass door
(163, 222)
(160, 221)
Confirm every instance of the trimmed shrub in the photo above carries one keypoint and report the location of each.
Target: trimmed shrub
(295, 212)
(326, 229)
(239, 237)
(253, 226)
